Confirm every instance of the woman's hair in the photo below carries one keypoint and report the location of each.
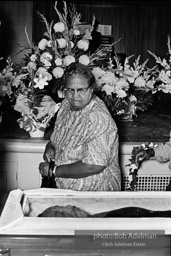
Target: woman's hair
(81, 70)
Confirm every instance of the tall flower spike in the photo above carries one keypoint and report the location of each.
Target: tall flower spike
(168, 44)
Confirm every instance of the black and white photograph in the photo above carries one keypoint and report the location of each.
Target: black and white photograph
(85, 128)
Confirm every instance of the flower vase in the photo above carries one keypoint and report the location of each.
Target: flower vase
(130, 111)
(39, 132)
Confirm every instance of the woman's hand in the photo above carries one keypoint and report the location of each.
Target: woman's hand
(44, 168)
(144, 155)
(49, 153)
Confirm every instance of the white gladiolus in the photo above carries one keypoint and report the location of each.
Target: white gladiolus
(62, 42)
(68, 60)
(121, 93)
(139, 82)
(150, 84)
(76, 32)
(108, 89)
(109, 78)
(58, 61)
(98, 72)
(42, 44)
(131, 79)
(84, 59)
(83, 44)
(33, 57)
(59, 27)
(122, 84)
(58, 72)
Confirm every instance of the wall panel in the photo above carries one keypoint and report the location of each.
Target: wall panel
(14, 17)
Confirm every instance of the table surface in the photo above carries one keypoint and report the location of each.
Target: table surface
(152, 125)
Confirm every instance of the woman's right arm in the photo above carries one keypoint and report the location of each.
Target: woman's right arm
(49, 153)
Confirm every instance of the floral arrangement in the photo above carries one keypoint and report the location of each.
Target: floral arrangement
(7, 76)
(126, 89)
(44, 64)
(38, 84)
(40, 76)
(34, 104)
(112, 87)
(62, 44)
(6, 79)
(133, 170)
(163, 72)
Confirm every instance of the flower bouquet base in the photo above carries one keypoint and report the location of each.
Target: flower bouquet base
(129, 114)
(37, 134)
(126, 117)
(35, 129)
(38, 131)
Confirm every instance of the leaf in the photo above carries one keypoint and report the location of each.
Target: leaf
(158, 59)
(168, 44)
(143, 65)
(62, 18)
(48, 27)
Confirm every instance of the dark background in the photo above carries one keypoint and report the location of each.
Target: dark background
(141, 25)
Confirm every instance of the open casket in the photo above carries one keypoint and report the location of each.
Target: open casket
(20, 213)
(19, 219)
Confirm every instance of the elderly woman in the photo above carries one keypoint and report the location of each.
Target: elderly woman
(84, 143)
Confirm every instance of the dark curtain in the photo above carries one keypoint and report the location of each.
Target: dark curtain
(39, 27)
(6, 34)
(47, 9)
(126, 24)
(141, 25)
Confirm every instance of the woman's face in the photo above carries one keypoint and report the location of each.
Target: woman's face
(78, 92)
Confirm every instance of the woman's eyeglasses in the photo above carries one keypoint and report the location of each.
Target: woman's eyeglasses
(80, 91)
